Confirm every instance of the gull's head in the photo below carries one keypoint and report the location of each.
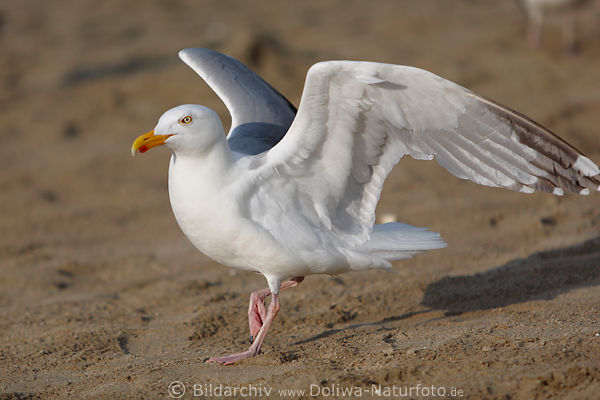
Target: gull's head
(188, 128)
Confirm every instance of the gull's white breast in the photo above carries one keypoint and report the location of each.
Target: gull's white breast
(209, 212)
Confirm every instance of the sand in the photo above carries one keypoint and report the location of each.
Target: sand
(101, 295)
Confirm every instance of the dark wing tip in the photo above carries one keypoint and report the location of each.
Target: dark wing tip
(569, 169)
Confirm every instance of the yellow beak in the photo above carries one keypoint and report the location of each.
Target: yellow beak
(147, 141)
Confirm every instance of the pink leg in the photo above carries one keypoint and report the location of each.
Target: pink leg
(256, 345)
(256, 308)
(534, 36)
(256, 311)
(260, 320)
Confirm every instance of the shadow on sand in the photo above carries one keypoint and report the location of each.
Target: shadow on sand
(540, 276)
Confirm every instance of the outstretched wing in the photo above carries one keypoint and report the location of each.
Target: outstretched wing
(260, 115)
(358, 119)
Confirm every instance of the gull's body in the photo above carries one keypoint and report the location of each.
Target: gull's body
(289, 195)
(209, 203)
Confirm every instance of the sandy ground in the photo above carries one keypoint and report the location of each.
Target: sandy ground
(101, 295)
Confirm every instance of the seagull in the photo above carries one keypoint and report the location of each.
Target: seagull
(565, 9)
(290, 193)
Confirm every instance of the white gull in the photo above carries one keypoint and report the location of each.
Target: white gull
(291, 194)
(568, 13)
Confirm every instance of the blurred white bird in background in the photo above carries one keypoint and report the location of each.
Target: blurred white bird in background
(567, 12)
(290, 194)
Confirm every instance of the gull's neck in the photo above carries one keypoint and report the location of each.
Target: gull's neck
(198, 183)
(201, 197)
(210, 164)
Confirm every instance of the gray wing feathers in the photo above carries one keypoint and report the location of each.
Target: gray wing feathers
(357, 120)
(483, 141)
(555, 163)
(260, 116)
(496, 146)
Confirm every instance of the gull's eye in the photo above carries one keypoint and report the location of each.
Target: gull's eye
(185, 120)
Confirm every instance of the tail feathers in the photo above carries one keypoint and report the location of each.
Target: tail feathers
(397, 241)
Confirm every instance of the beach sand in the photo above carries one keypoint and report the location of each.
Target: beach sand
(101, 295)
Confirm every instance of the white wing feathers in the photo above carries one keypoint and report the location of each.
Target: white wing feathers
(356, 120)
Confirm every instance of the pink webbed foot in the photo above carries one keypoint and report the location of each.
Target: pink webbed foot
(232, 358)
